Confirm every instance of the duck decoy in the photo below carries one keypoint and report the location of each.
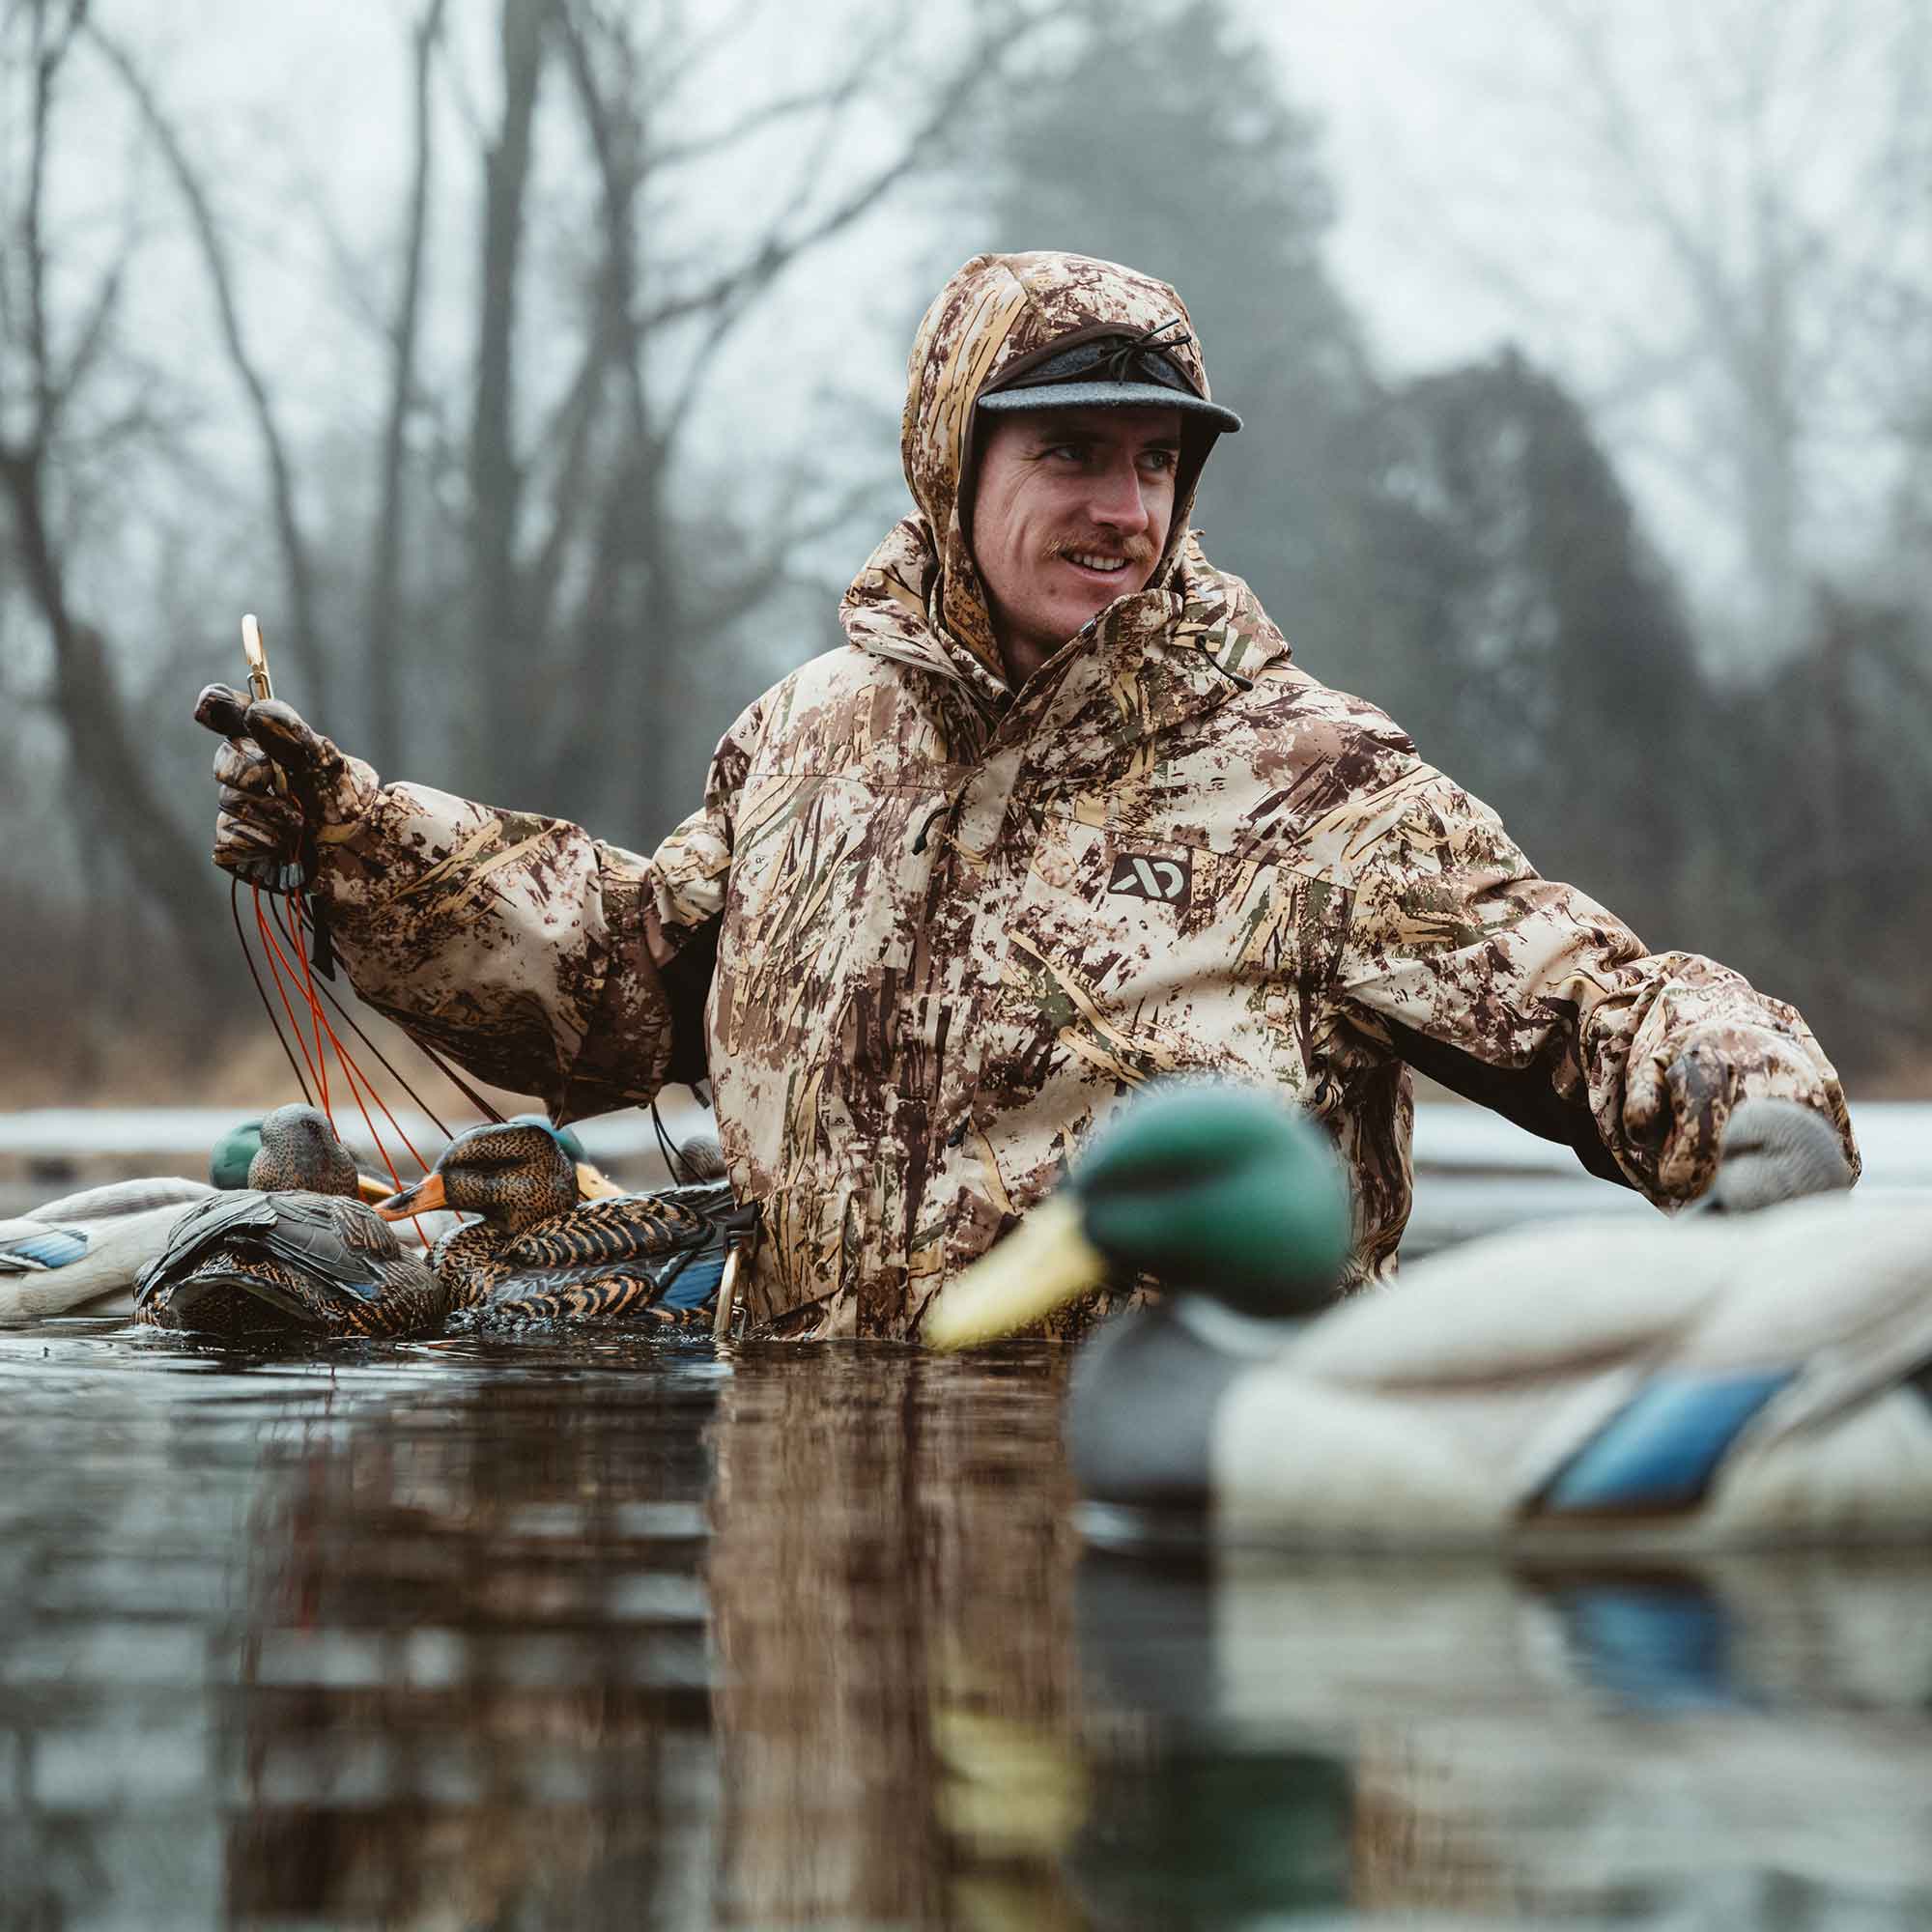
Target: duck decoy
(102, 1238)
(82, 1253)
(234, 1152)
(541, 1252)
(1719, 1378)
(593, 1182)
(294, 1253)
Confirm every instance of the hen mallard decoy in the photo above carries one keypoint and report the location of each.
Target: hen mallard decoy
(82, 1253)
(228, 1164)
(1724, 1377)
(542, 1252)
(234, 1153)
(294, 1253)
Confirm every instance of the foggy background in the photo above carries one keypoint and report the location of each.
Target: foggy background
(533, 368)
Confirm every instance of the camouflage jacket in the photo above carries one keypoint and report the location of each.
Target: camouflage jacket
(925, 932)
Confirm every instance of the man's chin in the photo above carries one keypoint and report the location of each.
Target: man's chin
(1079, 611)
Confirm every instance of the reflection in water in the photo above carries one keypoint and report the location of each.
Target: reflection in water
(1540, 1745)
(603, 1633)
(473, 1675)
(891, 1585)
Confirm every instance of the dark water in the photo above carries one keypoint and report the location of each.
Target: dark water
(587, 1634)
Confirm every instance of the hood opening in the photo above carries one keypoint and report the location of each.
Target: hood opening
(996, 319)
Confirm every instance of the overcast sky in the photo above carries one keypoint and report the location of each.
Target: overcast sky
(1441, 127)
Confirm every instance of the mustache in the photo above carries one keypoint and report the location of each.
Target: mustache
(1135, 549)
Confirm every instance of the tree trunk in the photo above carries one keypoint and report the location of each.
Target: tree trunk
(382, 637)
(506, 663)
(102, 749)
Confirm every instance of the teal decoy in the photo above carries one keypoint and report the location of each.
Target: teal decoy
(1724, 1377)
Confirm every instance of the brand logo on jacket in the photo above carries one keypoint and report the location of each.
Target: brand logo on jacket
(1166, 880)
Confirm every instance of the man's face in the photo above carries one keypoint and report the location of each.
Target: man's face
(1070, 510)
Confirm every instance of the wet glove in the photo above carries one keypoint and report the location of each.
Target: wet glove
(264, 836)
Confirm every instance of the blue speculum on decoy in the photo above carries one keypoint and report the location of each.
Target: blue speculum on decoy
(1716, 1380)
(82, 1253)
(541, 1252)
(294, 1253)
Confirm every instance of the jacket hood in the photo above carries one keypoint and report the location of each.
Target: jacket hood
(998, 314)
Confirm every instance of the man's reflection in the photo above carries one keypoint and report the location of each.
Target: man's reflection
(891, 1579)
(806, 1637)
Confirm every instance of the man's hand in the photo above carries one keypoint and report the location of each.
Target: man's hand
(1684, 1110)
(263, 834)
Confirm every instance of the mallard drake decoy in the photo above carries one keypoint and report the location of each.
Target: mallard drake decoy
(81, 1254)
(1720, 1378)
(542, 1252)
(295, 1253)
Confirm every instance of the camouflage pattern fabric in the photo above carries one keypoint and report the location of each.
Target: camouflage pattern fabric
(953, 926)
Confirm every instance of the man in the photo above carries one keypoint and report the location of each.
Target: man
(1062, 818)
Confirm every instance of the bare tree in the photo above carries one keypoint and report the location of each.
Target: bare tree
(382, 620)
(496, 475)
(588, 578)
(589, 555)
(309, 648)
(47, 369)
(1731, 254)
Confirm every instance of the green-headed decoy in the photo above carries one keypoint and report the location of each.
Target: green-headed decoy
(1718, 1378)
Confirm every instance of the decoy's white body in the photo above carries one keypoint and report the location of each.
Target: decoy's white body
(81, 1254)
(1709, 1382)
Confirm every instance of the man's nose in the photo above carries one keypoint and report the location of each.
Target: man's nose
(1118, 498)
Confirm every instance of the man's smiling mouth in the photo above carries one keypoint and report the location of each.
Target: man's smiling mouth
(1107, 566)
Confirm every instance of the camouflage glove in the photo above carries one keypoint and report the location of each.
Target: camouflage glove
(263, 836)
(1684, 1109)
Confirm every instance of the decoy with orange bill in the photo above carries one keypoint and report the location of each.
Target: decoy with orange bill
(540, 1252)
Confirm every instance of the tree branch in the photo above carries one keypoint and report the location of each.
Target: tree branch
(102, 748)
(295, 561)
(778, 250)
(768, 114)
(509, 683)
(381, 640)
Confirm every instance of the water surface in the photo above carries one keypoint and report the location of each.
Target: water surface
(616, 1633)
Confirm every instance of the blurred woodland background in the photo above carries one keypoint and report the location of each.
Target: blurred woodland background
(540, 390)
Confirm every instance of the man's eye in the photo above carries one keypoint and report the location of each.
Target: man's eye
(1161, 459)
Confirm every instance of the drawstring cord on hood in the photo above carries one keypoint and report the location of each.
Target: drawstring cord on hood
(1234, 677)
(940, 810)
